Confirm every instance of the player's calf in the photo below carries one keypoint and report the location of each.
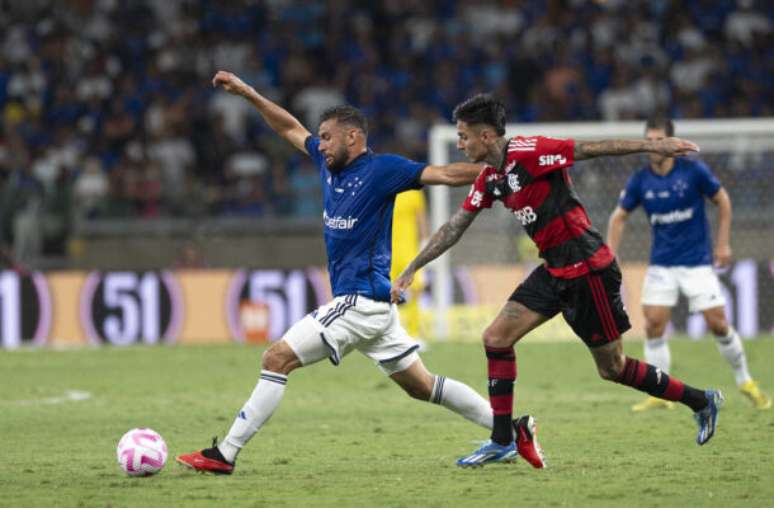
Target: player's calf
(651, 380)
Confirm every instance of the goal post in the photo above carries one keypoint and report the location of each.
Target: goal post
(739, 151)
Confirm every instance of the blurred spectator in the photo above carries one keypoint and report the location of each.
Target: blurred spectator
(315, 98)
(22, 203)
(175, 155)
(306, 191)
(91, 189)
(744, 24)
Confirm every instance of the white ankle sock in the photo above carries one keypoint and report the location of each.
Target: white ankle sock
(257, 410)
(657, 354)
(732, 350)
(463, 400)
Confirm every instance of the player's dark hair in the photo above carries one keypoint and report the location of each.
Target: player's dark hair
(346, 114)
(660, 122)
(482, 108)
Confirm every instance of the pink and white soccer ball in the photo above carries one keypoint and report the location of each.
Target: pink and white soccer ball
(142, 452)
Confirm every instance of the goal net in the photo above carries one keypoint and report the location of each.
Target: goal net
(471, 282)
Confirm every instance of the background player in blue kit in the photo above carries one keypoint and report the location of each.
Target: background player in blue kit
(671, 191)
(359, 189)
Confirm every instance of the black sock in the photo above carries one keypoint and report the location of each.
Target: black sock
(694, 398)
(501, 366)
(214, 453)
(651, 380)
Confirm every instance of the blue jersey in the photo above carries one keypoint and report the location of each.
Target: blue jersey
(674, 204)
(357, 217)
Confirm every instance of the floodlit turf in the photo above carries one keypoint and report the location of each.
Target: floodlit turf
(347, 437)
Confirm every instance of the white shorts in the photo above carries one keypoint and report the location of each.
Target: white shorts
(699, 284)
(353, 322)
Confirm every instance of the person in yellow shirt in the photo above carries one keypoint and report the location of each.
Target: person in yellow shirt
(409, 230)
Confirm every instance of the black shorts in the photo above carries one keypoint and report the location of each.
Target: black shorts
(591, 304)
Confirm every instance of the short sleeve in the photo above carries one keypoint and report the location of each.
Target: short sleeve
(312, 145)
(709, 185)
(397, 174)
(541, 155)
(478, 197)
(630, 196)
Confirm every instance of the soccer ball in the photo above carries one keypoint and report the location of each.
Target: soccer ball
(141, 452)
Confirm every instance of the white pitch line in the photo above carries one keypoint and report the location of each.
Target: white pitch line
(69, 396)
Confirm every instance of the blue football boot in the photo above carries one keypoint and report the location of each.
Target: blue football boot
(489, 453)
(707, 418)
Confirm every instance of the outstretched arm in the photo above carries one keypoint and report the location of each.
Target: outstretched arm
(454, 174)
(669, 147)
(615, 228)
(446, 236)
(278, 118)
(723, 244)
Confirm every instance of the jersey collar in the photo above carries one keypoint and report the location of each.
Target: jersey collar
(354, 163)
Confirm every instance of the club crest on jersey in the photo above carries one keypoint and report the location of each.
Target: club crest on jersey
(680, 187)
(513, 182)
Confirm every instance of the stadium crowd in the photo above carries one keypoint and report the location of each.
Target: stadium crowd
(108, 111)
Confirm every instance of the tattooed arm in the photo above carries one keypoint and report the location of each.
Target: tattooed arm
(446, 236)
(669, 147)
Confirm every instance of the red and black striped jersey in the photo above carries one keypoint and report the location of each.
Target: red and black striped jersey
(535, 185)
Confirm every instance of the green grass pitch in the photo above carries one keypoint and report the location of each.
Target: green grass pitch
(346, 436)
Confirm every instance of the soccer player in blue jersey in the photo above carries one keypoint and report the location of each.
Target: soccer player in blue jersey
(672, 192)
(359, 189)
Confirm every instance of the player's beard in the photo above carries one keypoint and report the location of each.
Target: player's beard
(656, 160)
(477, 158)
(338, 160)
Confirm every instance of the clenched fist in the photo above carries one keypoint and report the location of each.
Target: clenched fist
(401, 284)
(231, 83)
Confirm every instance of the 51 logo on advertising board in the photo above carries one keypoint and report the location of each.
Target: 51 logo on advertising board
(25, 309)
(123, 308)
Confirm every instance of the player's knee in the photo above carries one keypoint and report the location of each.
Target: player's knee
(611, 369)
(495, 338)
(718, 326)
(270, 360)
(654, 328)
(275, 359)
(608, 372)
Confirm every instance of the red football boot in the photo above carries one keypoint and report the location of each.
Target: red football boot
(209, 460)
(526, 441)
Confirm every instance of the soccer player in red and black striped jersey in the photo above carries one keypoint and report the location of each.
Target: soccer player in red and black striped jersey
(579, 277)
